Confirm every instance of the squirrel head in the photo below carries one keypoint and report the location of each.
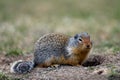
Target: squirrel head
(83, 39)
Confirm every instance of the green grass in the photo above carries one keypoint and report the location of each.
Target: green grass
(4, 77)
(113, 75)
(14, 52)
(22, 22)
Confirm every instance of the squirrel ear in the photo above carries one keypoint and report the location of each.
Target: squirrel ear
(76, 36)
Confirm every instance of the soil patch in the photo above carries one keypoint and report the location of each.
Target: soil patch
(96, 67)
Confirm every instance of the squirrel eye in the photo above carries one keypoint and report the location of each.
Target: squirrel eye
(80, 39)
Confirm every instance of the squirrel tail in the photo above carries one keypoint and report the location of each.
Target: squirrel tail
(22, 66)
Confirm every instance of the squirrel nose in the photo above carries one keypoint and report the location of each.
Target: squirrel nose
(88, 46)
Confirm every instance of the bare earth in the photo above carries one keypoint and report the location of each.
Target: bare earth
(65, 72)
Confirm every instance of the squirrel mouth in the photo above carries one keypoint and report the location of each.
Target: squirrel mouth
(88, 48)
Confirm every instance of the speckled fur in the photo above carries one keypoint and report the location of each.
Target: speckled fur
(52, 49)
(56, 48)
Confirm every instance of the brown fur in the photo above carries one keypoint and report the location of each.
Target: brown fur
(57, 48)
(79, 54)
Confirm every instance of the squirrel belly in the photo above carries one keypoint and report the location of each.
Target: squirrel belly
(56, 48)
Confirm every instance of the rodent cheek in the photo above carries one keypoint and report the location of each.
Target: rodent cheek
(81, 45)
(84, 46)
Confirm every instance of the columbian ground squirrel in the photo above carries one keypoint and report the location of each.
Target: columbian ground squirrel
(56, 48)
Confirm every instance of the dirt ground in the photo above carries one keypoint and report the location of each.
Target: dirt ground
(107, 67)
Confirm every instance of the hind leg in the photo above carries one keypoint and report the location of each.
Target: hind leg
(48, 62)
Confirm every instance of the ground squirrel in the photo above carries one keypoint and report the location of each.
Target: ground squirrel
(56, 48)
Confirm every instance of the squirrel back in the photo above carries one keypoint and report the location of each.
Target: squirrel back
(56, 48)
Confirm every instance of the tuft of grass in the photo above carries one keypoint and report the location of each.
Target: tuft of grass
(4, 77)
(91, 68)
(14, 52)
(116, 49)
(114, 75)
